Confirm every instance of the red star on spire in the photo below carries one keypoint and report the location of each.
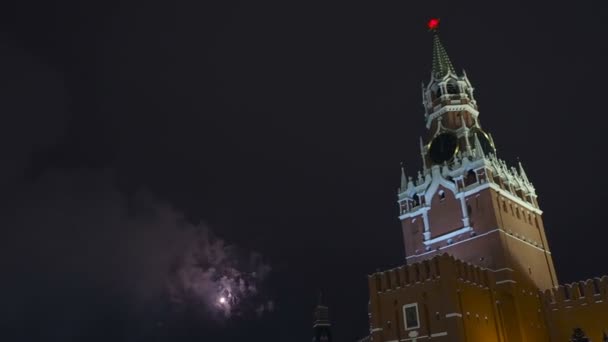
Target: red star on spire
(433, 24)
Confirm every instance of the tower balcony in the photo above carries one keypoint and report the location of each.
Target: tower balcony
(449, 99)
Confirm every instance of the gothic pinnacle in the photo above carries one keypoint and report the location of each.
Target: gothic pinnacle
(403, 180)
(522, 172)
(422, 155)
(478, 149)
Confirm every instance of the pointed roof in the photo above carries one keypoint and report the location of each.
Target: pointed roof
(441, 61)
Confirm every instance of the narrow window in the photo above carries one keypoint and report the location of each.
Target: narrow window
(415, 200)
(471, 178)
(441, 195)
(410, 316)
(388, 280)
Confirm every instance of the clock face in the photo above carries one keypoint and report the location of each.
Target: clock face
(484, 140)
(443, 148)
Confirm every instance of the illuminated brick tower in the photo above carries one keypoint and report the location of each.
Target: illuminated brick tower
(478, 266)
(466, 201)
(321, 326)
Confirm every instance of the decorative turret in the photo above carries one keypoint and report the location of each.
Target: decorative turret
(321, 325)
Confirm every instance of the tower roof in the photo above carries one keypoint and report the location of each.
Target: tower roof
(441, 61)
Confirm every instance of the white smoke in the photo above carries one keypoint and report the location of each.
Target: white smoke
(73, 232)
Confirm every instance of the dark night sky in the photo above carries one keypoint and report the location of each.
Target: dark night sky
(278, 126)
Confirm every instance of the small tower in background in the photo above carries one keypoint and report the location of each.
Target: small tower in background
(321, 326)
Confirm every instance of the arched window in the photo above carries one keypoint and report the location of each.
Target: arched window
(471, 178)
(435, 92)
(452, 88)
(441, 194)
(416, 200)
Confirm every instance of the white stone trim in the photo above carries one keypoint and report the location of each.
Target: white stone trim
(475, 237)
(448, 235)
(376, 329)
(506, 281)
(437, 180)
(526, 242)
(443, 333)
(450, 108)
(473, 190)
(453, 314)
(515, 199)
(455, 243)
(414, 213)
(413, 338)
(501, 269)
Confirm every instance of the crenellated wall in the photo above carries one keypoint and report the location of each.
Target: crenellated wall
(582, 304)
(458, 301)
(455, 301)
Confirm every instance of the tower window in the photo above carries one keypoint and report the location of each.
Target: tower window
(415, 200)
(441, 195)
(410, 316)
(517, 213)
(452, 88)
(471, 178)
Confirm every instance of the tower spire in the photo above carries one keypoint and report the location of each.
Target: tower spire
(441, 61)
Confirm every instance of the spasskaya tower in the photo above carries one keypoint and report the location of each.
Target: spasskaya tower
(465, 201)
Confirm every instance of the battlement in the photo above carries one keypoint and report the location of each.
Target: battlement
(580, 293)
(430, 270)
